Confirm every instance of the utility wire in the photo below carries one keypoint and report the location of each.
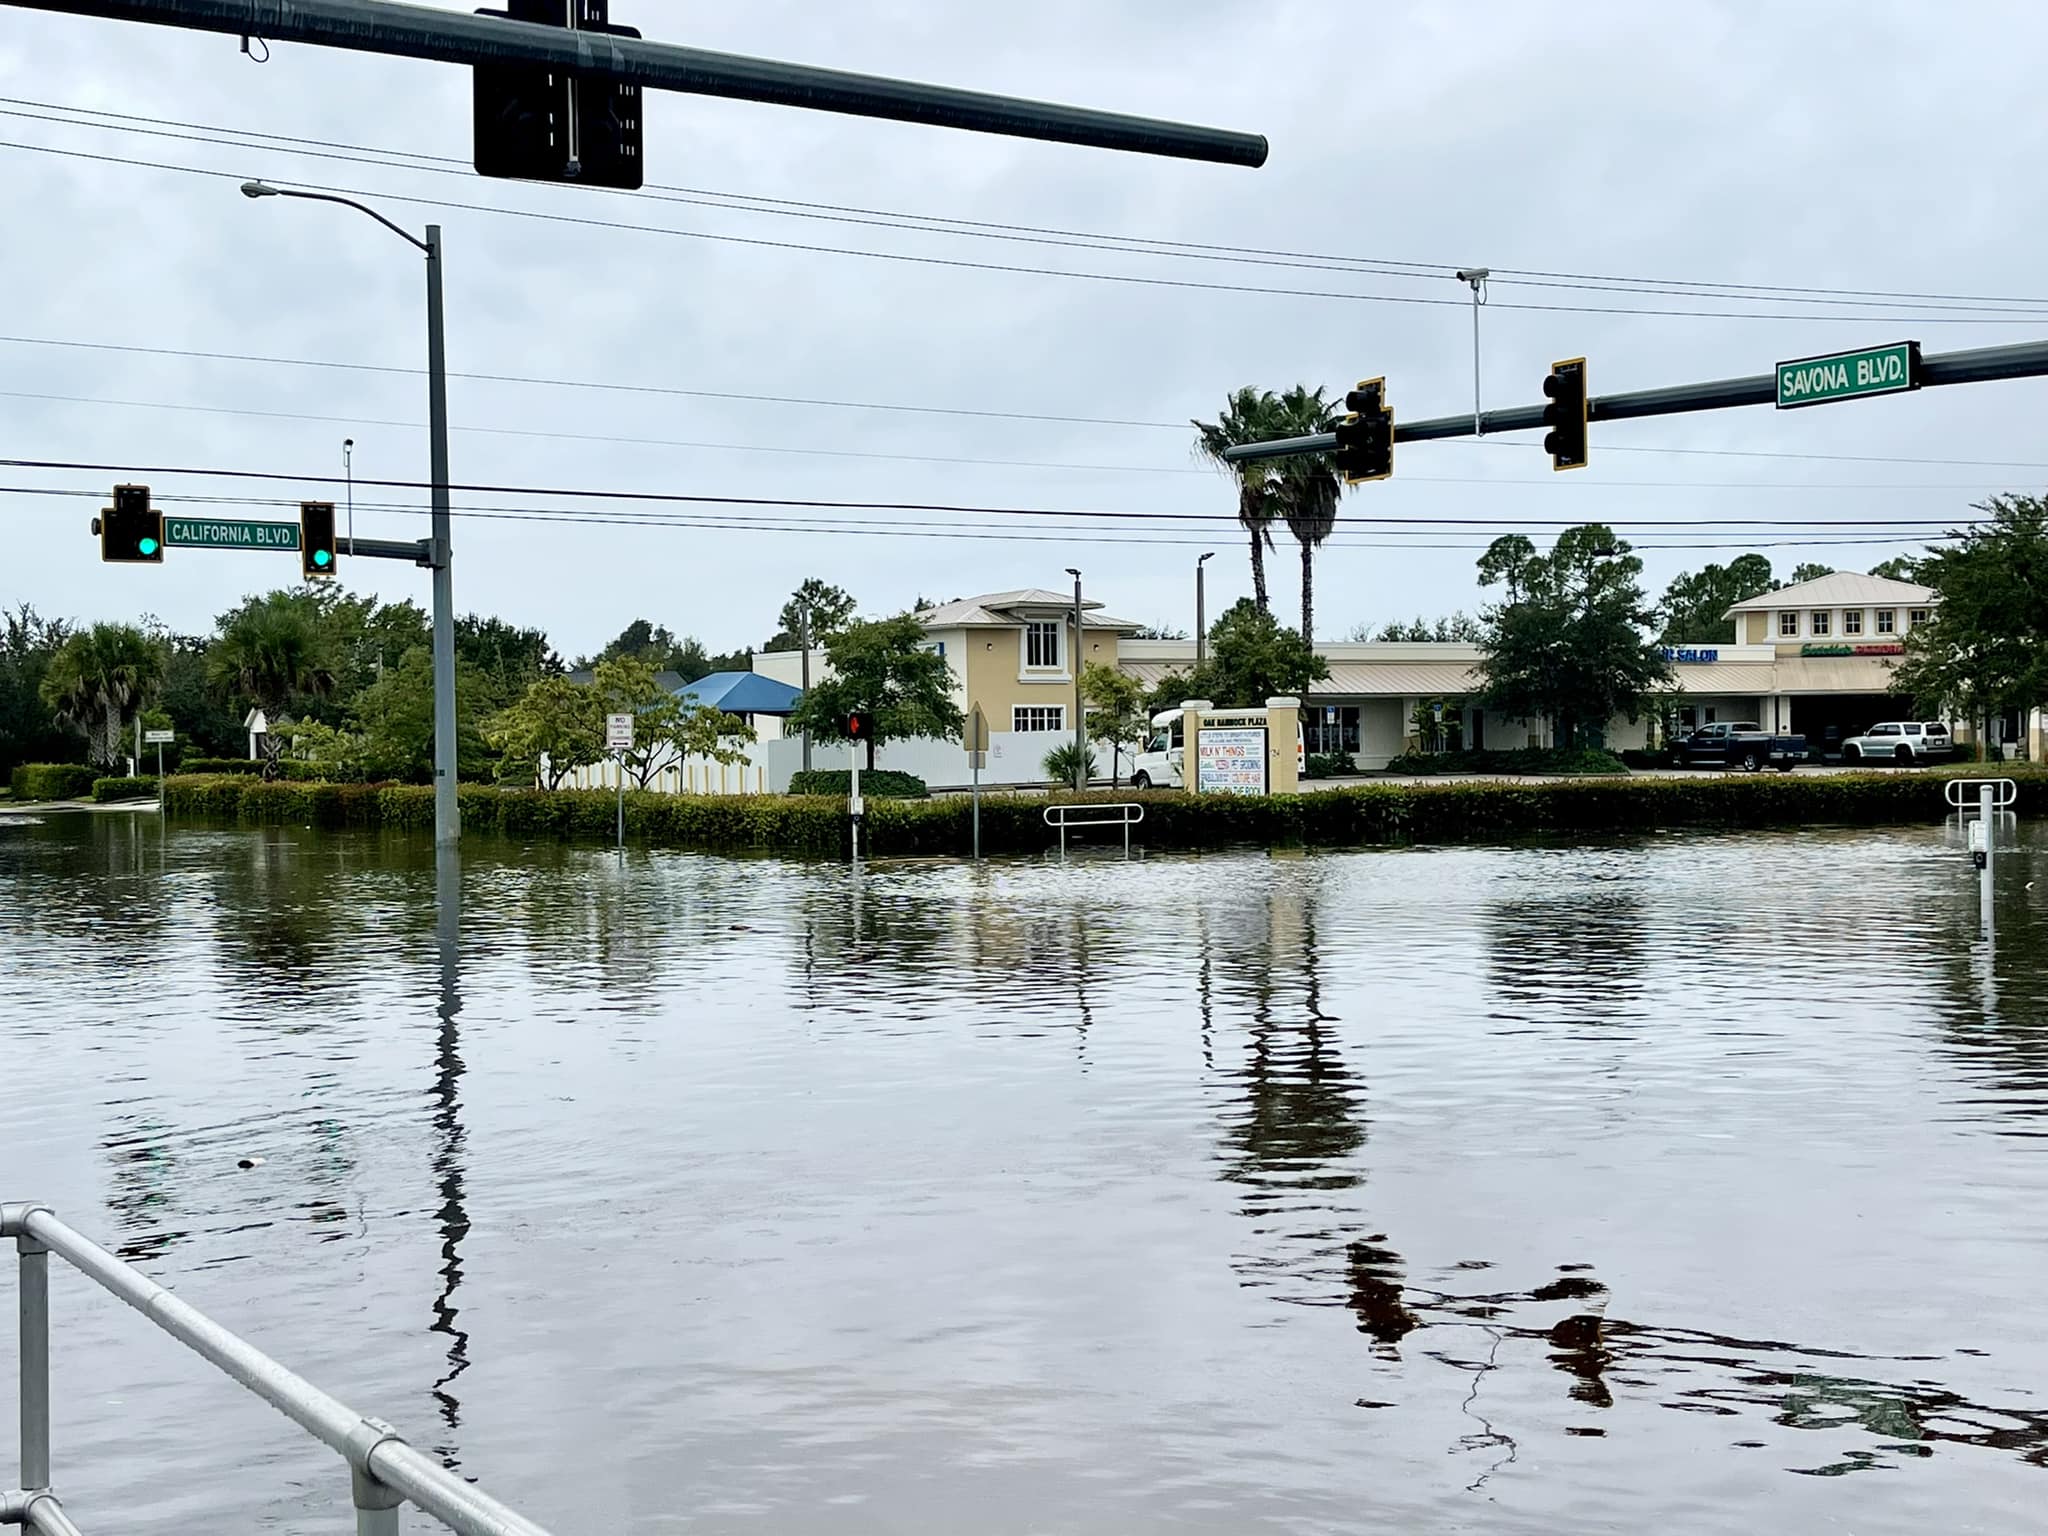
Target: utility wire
(1972, 317)
(987, 229)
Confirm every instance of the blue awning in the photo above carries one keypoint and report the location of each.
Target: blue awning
(741, 693)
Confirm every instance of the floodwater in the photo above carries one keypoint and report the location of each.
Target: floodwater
(1696, 1184)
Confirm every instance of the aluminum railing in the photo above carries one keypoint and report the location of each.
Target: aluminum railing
(1965, 794)
(1116, 813)
(384, 1471)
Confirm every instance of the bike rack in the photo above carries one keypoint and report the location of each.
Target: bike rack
(384, 1471)
(1128, 814)
(2003, 793)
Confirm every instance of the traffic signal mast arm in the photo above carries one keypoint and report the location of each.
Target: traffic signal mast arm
(1978, 365)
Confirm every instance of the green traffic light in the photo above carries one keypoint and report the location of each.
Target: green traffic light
(323, 557)
(147, 546)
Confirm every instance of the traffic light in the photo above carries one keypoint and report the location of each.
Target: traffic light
(317, 554)
(860, 726)
(1565, 415)
(131, 531)
(1365, 438)
(528, 119)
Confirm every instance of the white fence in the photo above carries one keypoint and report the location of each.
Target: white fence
(1014, 757)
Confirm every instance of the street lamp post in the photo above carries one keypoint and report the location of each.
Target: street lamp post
(803, 640)
(1201, 618)
(1080, 714)
(447, 815)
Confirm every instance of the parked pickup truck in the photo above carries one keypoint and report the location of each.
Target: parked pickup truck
(1740, 744)
(1900, 741)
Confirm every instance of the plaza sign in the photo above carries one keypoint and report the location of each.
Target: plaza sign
(1883, 370)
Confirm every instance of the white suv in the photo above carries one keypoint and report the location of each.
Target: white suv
(1900, 741)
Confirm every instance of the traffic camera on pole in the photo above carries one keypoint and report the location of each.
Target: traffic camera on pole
(1365, 438)
(131, 531)
(316, 540)
(1565, 414)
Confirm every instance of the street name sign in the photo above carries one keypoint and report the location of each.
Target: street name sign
(1885, 370)
(618, 733)
(213, 533)
(155, 738)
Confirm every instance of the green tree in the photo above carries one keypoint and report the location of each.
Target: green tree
(887, 668)
(271, 652)
(1307, 488)
(1986, 648)
(831, 611)
(98, 682)
(1116, 712)
(1567, 642)
(1252, 657)
(1899, 568)
(207, 725)
(626, 685)
(506, 658)
(1812, 570)
(395, 718)
(1695, 606)
(1249, 416)
(1460, 626)
(701, 731)
(29, 732)
(553, 720)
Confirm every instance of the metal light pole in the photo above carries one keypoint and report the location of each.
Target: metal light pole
(1201, 617)
(1476, 277)
(447, 815)
(1080, 715)
(348, 474)
(803, 637)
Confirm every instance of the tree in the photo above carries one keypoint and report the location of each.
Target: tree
(206, 724)
(1307, 488)
(270, 652)
(701, 731)
(1248, 417)
(887, 668)
(554, 719)
(505, 658)
(1158, 632)
(1116, 711)
(1460, 627)
(1812, 570)
(831, 610)
(1694, 607)
(1899, 568)
(1568, 642)
(626, 685)
(1252, 657)
(1986, 648)
(29, 732)
(99, 680)
(395, 717)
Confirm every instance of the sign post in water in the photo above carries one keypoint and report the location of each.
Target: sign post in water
(618, 739)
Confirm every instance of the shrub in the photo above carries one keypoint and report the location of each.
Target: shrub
(287, 767)
(104, 790)
(52, 781)
(1635, 757)
(1327, 765)
(1067, 759)
(1574, 760)
(882, 783)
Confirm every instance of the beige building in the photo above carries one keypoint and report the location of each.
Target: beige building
(1012, 654)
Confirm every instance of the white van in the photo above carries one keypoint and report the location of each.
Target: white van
(1159, 765)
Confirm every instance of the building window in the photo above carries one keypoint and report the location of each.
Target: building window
(1852, 621)
(1918, 616)
(1038, 717)
(1821, 622)
(1887, 621)
(1042, 643)
(1319, 733)
(1788, 623)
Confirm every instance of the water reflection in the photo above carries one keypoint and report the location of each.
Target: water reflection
(450, 1136)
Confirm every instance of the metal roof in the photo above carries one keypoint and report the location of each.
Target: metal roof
(999, 610)
(1840, 589)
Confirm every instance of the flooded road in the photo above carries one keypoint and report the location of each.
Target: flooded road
(1697, 1184)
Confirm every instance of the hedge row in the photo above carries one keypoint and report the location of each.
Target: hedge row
(1372, 813)
(104, 790)
(287, 767)
(52, 781)
(882, 783)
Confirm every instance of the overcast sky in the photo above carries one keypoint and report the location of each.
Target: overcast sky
(1852, 145)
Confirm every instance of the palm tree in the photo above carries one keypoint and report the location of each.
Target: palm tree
(269, 651)
(100, 680)
(1249, 416)
(1307, 488)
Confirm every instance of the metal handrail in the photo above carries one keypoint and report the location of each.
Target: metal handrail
(1067, 818)
(2003, 793)
(385, 1472)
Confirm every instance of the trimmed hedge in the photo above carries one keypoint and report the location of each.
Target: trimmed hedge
(882, 783)
(104, 790)
(287, 767)
(1010, 823)
(52, 781)
(1520, 760)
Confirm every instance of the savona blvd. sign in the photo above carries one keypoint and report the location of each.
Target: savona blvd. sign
(1849, 375)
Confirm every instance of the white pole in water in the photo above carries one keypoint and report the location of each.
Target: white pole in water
(853, 804)
(1984, 815)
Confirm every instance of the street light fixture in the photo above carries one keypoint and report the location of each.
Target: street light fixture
(447, 816)
(1201, 619)
(1080, 714)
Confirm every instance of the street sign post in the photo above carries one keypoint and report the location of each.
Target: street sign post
(216, 533)
(158, 739)
(618, 739)
(1886, 370)
(977, 759)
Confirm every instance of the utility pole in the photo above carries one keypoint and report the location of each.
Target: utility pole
(1080, 715)
(447, 809)
(803, 636)
(1201, 617)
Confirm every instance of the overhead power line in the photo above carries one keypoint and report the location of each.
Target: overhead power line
(1952, 317)
(746, 202)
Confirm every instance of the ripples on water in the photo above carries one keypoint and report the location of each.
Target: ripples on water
(1653, 1186)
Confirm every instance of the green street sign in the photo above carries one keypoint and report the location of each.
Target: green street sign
(212, 533)
(1849, 375)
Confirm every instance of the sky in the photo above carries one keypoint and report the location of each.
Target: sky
(1845, 148)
